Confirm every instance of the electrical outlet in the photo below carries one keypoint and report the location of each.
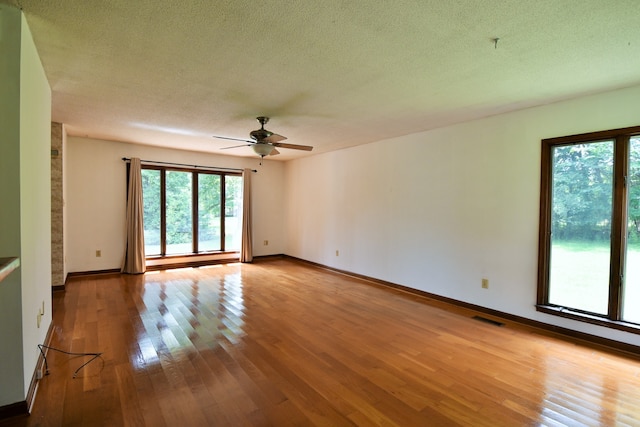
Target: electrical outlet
(40, 314)
(337, 252)
(485, 283)
(266, 243)
(98, 253)
(41, 372)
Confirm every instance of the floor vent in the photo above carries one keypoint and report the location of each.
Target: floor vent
(485, 320)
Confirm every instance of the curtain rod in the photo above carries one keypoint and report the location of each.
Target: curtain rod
(127, 159)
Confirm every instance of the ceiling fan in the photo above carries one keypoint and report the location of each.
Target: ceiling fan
(264, 142)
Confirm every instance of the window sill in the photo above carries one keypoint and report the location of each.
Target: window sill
(589, 318)
(192, 255)
(191, 260)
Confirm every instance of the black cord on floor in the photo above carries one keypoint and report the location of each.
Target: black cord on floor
(46, 365)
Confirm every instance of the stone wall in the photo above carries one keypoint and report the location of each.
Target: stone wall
(57, 204)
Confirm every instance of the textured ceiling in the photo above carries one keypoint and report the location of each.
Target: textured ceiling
(329, 73)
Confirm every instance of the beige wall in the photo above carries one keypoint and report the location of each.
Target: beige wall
(440, 210)
(95, 182)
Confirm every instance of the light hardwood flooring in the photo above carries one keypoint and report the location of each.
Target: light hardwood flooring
(281, 343)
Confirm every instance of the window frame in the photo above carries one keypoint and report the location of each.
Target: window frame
(612, 319)
(195, 172)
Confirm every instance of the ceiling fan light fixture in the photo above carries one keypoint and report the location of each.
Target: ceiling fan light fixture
(262, 149)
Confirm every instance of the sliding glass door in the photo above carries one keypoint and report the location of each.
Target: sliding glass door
(191, 211)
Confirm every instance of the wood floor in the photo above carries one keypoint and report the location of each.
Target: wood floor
(281, 343)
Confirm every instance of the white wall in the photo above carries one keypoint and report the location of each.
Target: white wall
(25, 217)
(11, 366)
(35, 200)
(438, 211)
(95, 196)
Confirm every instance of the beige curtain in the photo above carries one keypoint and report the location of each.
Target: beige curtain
(246, 250)
(134, 257)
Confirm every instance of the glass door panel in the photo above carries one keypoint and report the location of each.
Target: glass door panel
(179, 224)
(208, 212)
(233, 213)
(151, 211)
(581, 215)
(631, 289)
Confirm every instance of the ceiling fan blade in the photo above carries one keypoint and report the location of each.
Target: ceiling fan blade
(292, 146)
(236, 146)
(232, 139)
(274, 137)
(274, 152)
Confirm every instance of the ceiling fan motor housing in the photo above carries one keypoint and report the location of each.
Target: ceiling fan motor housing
(262, 133)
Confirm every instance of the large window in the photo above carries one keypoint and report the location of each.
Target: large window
(589, 261)
(191, 211)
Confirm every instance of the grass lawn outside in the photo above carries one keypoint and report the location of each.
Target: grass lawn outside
(579, 277)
